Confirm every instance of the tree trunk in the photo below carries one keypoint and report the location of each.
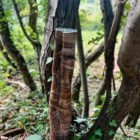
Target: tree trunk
(62, 71)
(107, 12)
(129, 92)
(33, 14)
(133, 116)
(81, 57)
(60, 14)
(13, 52)
(6, 56)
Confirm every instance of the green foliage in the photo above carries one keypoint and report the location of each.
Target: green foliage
(96, 40)
(98, 132)
(111, 132)
(49, 60)
(97, 110)
(2, 83)
(125, 14)
(80, 120)
(113, 123)
(90, 16)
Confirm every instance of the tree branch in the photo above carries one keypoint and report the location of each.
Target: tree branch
(81, 57)
(13, 132)
(21, 23)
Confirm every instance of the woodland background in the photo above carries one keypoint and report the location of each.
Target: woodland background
(28, 110)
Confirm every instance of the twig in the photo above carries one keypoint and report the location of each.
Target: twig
(18, 130)
(113, 81)
(13, 132)
(126, 135)
(123, 131)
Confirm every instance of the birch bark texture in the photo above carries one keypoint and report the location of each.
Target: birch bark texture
(60, 114)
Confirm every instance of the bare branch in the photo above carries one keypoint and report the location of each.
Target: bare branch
(81, 57)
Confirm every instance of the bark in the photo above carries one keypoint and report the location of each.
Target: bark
(33, 15)
(81, 57)
(6, 56)
(13, 52)
(62, 71)
(133, 116)
(60, 14)
(88, 61)
(129, 92)
(107, 12)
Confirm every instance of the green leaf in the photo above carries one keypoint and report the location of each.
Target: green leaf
(34, 137)
(80, 120)
(49, 79)
(49, 60)
(2, 83)
(98, 132)
(111, 132)
(113, 123)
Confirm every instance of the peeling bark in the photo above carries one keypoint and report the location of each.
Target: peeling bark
(62, 71)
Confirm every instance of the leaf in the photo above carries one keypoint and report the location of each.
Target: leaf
(113, 123)
(98, 132)
(20, 123)
(99, 33)
(45, 110)
(97, 108)
(2, 83)
(49, 79)
(111, 132)
(80, 120)
(49, 60)
(34, 137)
